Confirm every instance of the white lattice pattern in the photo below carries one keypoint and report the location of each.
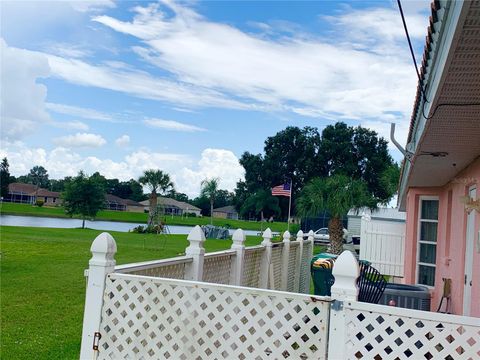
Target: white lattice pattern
(304, 269)
(217, 267)
(172, 271)
(251, 270)
(292, 267)
(150, 318)
(381, 332)
(277, 265)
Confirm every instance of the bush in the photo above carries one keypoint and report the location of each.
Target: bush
(191, 214)
(140, 229)
(39, 203)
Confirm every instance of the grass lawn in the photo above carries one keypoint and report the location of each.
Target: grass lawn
(29, 210)
(43, 288)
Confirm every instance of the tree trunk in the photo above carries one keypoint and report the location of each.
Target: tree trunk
(83, 223)
(211, 212)
(153, 208)
(335, 228)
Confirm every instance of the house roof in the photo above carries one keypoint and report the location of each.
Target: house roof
(30, 189)
(226, 209)
(116, 199)
(166, 201)
(444, 130)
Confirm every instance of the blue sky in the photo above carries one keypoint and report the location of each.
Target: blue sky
(187, 87)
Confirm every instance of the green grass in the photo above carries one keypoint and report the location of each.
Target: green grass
(29, 210)
(43, 288)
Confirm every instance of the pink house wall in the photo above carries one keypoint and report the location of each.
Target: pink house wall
(452, 219)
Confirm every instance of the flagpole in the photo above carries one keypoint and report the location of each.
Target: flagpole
(289, 205)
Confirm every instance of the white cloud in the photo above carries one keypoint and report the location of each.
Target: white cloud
(68, 50)
(22, 98)
(81, 140)
(214, 163)
(172, 125)
(73, 125)
(62, 161)
(85, 113)
(365, 76)
(91, 5)
(123, 141)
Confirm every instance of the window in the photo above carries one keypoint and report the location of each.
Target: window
(427, 241)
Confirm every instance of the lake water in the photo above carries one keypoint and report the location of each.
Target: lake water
(34, 221)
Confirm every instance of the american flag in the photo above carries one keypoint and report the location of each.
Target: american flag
(282, 190)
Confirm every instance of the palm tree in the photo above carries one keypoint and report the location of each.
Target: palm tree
(210, 190)
(336, 194)
(155, 180)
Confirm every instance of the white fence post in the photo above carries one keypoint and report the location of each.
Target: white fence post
(298, 262)
(285, 259)
(266, 259)
(346, 271)
(194, 270)
(238, 245)
(101, 264)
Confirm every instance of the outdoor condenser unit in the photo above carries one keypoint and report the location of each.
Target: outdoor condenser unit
(407, 296)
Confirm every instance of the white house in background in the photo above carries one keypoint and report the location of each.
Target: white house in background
(173, 207)
(226, 212)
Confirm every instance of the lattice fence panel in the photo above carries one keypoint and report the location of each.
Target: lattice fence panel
(277, 265)
(292, 267)
(305, 267)
(251, 270)
(149, 318)
(216, 268)
(173, 271)
(380, 332)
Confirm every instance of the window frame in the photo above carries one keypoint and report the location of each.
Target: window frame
(419, 242)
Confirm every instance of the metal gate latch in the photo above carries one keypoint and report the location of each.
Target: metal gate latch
(96, 338)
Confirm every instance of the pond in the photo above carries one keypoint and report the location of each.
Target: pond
(35, 221)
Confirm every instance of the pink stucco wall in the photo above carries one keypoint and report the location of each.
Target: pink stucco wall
(452, 218)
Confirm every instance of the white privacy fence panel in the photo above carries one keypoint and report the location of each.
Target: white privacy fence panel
(251, 270)
(383, 332)
(151, 318)
(216, 267)
(383, 244)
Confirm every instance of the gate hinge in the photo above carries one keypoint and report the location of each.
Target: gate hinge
(96, 339)
(337, 305)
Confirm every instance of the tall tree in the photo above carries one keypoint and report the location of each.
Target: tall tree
(262, 204)
(210, 190)
(4, 177)
(84, 196)
(38, 176)
(155, 180)
(336, 194)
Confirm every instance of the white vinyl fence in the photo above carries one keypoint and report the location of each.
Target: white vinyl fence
(383, 244)
(148, 317)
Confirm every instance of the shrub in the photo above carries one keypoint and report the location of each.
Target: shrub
(140, 229)
(191, 214)
(39, 203)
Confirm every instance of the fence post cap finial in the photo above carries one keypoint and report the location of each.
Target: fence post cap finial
(267, 236)
(103, 250)
(311, 233)
(286, 236)
(346, 265)
(196, 234)
(300, 233)
(238, 237)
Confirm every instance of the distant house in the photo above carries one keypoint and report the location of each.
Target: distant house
(116, 203)
(29, 194)
(226, 212)
(173, 207)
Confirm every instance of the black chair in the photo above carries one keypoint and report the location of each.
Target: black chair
(371, 284)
